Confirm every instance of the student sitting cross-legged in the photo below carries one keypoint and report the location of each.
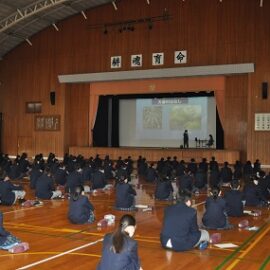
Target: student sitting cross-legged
(45, 186)
(9, 193)
(180, 230)
(80, 208)
(164, 189)
(119, 250)
(124, 195)
(215, 216)
(234, 200)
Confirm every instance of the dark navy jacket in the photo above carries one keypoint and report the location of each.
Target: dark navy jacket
(234, 204)
(60, 176)
(98, 180)
(44, 187)
(6, 195)
(214, 216)
(124, 195)
(79, 210)
(180, 225)
(34, 175)
(74, 179)
(253, 195)
(163, 189)
(185, 182)
(151, 175)
(127, 259)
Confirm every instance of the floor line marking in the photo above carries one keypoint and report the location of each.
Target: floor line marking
(59, 255)
(237, 260)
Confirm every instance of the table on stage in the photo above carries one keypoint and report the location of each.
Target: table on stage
(201, 143)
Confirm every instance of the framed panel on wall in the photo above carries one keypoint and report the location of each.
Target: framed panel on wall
(47, 122)
(262, 122)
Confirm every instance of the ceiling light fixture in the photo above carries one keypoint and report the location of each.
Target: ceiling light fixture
(83, 14)
(114, 5)
(55, 27)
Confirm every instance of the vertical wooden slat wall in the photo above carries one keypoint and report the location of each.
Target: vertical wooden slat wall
(213, 32)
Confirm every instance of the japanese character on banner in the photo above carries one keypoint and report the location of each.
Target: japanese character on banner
(180, 57)
(157, 59)
(136, 60)
(116, 62)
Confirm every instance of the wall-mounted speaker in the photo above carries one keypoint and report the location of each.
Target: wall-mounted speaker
(52, 97)
(264, 90)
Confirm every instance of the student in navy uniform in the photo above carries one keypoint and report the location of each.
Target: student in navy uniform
(80, 208)
(98, 179)
(9, 193)
(200, 180)
(60, 175)
(164, 189)
(214, 179)
(234, 200)
(45, 186)
(186, 181)
(119, 250)
(253, 194)
(247, 171)
(151, 175)
(180, 230)
(264, 184)
(74, 179)
(124, 195)
(215, 216)
(226, 174)
(192, 166)
(213, 165)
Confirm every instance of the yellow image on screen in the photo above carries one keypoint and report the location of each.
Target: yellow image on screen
(185, 117)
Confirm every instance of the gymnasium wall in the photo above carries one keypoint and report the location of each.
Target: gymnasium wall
(212, 32)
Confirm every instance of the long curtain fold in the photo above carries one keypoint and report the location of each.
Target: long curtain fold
(93, 107)
(220, 101)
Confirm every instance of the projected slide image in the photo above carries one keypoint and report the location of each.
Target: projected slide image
(185, 117)
(152, 117)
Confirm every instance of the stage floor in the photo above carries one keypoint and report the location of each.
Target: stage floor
(154, 154)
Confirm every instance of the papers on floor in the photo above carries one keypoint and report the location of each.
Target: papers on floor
(141, 206)
(226, 245)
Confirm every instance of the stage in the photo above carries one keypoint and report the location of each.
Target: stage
(154, 154)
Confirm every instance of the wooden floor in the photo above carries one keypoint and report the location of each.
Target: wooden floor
(55, 243)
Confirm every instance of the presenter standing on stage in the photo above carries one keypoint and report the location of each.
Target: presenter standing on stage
(185, 135)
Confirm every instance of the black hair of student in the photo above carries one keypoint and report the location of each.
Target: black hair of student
(184, 195)
(215, 192)
(77, 192)
(235, 184)
(120, 234)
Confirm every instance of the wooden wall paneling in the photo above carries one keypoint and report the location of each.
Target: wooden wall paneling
(212, 32)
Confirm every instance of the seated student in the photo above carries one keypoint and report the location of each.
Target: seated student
(264, 184)
(151, 175)
(180, 230)
(98, 179)
(200, 180)
(234, 200)
(215, 216)
(35, 173)
(9, 193)
(124, 195)
(226, 174)
(80, 209)
(45, 187)
(253, 194)
(74, 179)
(164, 189)
(9, 241)
(119, 250)
(186, 181)
(60, 175)
(210, 141)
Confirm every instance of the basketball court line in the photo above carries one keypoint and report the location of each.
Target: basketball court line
(60, 255)
(245, 243)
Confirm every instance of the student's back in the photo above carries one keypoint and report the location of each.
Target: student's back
(215, 208)
(44, 187)
(124, 195)
(234, 204)
(79, 209)
(164, 189)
